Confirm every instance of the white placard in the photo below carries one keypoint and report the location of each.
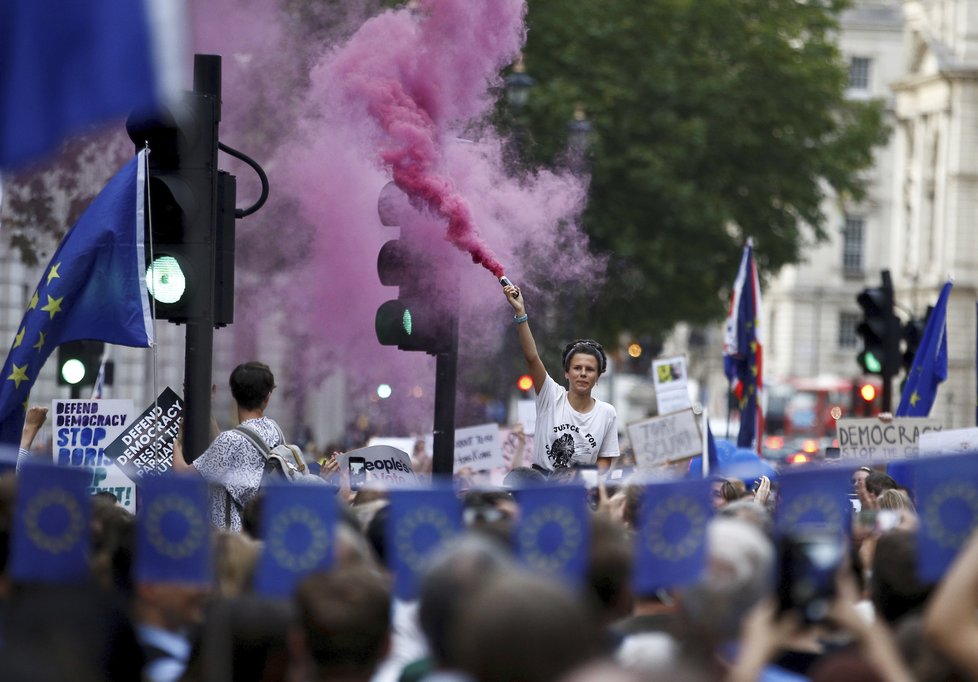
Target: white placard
(667, 438)
(81, 430)
(526, 413)
(874, 440)
(950, 442)
(478, 447)
(378, 464)
(670, 378)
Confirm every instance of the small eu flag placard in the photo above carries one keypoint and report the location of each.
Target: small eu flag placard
(52, 525)
(670, 543)
(298, 527)
(173, 531)
(947, 503)
(420, 522)
(815, 497)
(553, 535)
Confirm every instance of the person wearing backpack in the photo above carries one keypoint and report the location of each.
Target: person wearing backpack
(235, 464)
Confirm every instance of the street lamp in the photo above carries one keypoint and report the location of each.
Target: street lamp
(518, 86)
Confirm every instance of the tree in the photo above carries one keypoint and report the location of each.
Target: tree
(713, 120)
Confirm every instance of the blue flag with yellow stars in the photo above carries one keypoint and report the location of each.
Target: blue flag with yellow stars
(929, 366)
(93, 288)
(173, 531)
(52, 525)
(298, 527)
(420, 522)
(814, 496)
(670, 543)
(947, 505)
(553, 534)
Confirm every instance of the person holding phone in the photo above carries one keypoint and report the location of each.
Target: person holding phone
(573, 428)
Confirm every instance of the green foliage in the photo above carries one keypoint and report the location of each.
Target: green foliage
(713, 120)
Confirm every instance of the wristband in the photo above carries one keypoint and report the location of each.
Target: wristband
(520, 319)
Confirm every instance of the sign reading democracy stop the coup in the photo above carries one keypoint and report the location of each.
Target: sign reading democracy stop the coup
(874, 440)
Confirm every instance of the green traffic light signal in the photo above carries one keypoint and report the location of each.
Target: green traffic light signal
(871, 363)
(166, 281)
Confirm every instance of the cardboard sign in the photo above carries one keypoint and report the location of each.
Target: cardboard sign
(82, 431)
(526, 413)
(145, 448)
(478, 447)
(377, 464)
(664, 439)
(873, 440)
(670, 378)
(949, 442)
(509, 443)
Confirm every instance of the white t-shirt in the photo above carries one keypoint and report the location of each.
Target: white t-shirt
(565, 437)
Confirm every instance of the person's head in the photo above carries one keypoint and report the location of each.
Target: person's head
(895, 589)
(609, 570)
(859, 478)
(235, 557)
(526, 623)
(751, 512)
(251, 385)
(877, 482)
(344, 621)
(895, 500)
(524, 477)
(171, 606)
(727, 490)
(584, 361)
(454, 573)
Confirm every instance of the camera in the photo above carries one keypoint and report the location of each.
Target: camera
(358, 472)
(810, 557)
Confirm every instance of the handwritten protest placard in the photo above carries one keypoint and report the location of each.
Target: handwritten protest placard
(145, 448)
(82, 432)
(873, 440)
(667, 438)
(478, 447)
(669, 376)
(377, 464)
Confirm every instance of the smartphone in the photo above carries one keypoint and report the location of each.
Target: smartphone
(809, 561)
(358, 472)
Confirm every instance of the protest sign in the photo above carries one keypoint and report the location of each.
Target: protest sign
(949, 442)
(509, 444)
(478, 448)
(873, 440)
(376, 464)
(526, 413)
(669, 376)
(82, 431)
(145, 448)
(667, 438)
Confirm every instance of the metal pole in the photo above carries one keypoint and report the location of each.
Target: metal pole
(446, 370)
(198, 359)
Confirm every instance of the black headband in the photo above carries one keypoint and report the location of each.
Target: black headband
(588, 346)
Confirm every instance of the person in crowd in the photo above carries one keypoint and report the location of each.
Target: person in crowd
(727, 490)
(949, 621)
(751, 512)
(608, 584)
(232, 465)
(859, 481)
(344, 625)
(523, 627)
(896, 500)
(875, 484)
(33, 421)
(167, 617)
(573, 427)
(235, 561)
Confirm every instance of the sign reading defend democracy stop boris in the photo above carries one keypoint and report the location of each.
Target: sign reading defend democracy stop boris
(146, 447)
(874, 440)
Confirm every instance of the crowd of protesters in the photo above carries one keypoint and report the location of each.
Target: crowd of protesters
(482, 616)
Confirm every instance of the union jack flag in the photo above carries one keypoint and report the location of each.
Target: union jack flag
(743, 350)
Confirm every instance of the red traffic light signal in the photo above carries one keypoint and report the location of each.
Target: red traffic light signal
(525, 382)
(867, 392)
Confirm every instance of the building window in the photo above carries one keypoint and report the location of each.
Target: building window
(859, 73)
(847, 330)
(852, 244)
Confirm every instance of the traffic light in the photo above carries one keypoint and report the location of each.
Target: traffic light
(864, 401)
(639, 354)
(913, 334)
(525, 383)
(182, 206)
(879, 329)
(421, 317)
(78, 362)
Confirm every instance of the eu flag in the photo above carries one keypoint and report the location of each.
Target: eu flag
(670, 543)
(298, 527)
(814, 497)
(929, 366)
(65, 66)
(553, 535)
(420, 522)
(743, 350)
(93, 288)
(52, 525)
(947, 504)
(173, 531)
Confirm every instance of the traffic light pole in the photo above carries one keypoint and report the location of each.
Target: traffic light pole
(891, 356)
(446, 370)
(198, 360)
